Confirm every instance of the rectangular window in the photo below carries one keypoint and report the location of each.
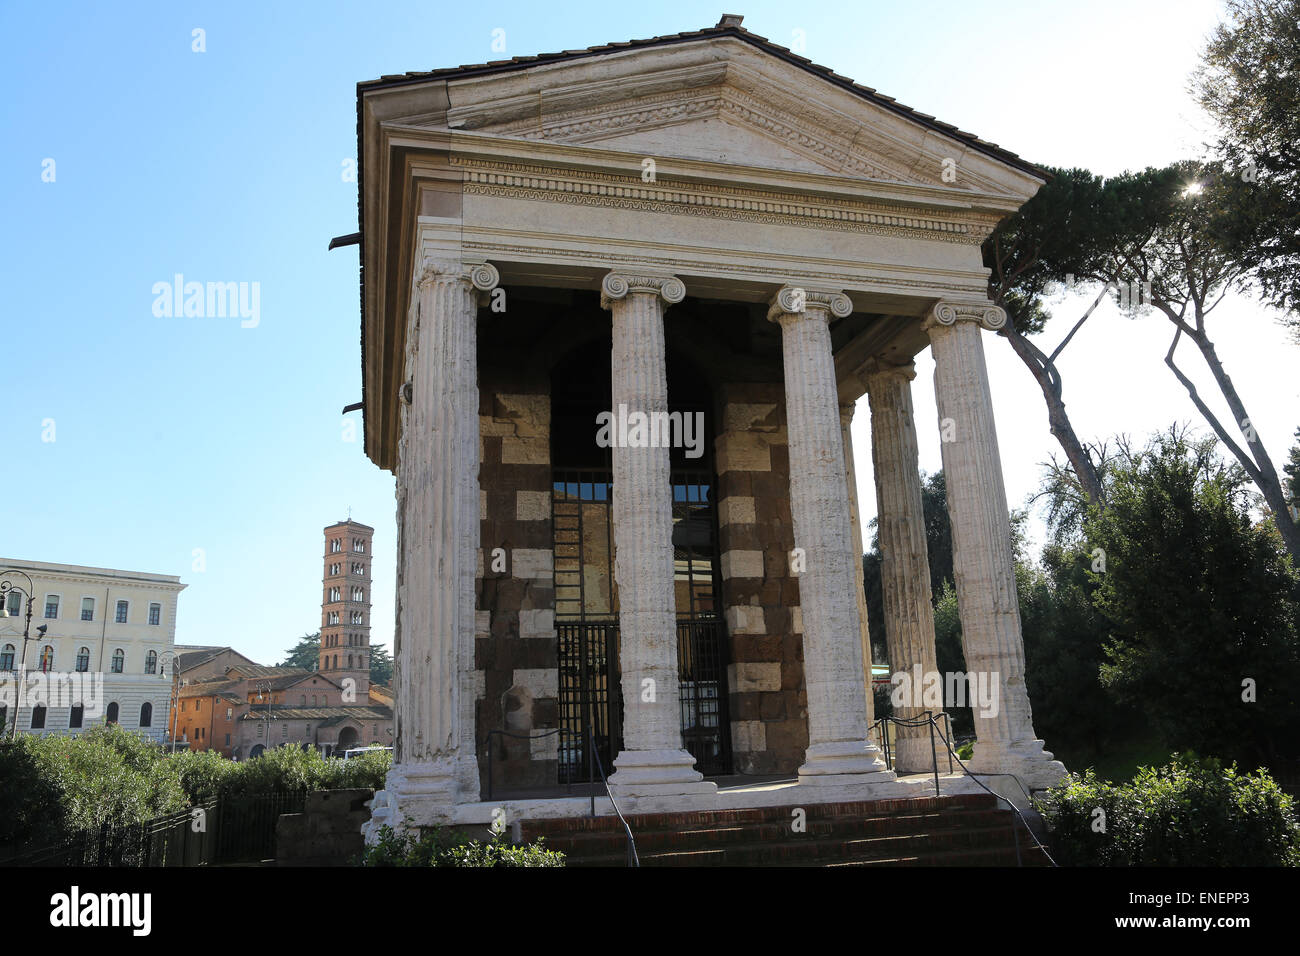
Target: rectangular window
(155, 613)
(87, 609)
(122, 607)
(227, 740)
(197, 703)
(51, 607)
(230, 715)
(259, 730)
(15, 603)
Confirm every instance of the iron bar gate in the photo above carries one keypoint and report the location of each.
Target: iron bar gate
(586, 610)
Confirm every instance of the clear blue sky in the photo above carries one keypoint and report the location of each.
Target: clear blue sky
(173, 434)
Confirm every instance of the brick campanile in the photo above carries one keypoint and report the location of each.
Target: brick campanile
(345, 608)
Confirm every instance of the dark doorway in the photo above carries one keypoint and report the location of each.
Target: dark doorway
(586, 596)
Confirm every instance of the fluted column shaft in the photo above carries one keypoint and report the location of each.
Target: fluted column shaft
(438, 522)
(904, 561)
(838, 749)
(983, 558)
(855, 523)
(653, 760)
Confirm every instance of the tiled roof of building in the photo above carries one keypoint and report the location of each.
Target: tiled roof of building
(322, 715)
(261, 670)
(276, 678)
(191, 656)
(212, 688)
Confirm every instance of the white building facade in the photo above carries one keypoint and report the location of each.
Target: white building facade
(105, 655)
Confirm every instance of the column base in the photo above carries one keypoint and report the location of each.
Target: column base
(843, 763)
(414, 795)
(1027, 760)
(918, 755)
(656, 773)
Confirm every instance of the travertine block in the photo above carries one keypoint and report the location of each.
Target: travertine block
(738, 509)
(742, 564)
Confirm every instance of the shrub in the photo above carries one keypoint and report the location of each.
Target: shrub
(105, 777)
(435, 847)
(207, 774)
(1188, 813)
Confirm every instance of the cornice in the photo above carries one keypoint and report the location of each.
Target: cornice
(670, 260)
(611, 190)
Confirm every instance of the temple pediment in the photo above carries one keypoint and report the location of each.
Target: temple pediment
(721, 99)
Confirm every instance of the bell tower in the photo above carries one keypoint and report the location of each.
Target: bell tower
(345, 606)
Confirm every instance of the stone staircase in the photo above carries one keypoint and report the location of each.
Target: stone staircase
(963, 830)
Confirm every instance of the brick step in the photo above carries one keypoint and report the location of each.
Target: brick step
(610, 841)
(706, 818)
(988, 846)
(993, 856)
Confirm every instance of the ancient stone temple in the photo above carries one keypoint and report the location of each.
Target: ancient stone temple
(618, 308)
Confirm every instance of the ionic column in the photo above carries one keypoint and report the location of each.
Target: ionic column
(838, 749)
(983, 559)
(905, 563)
(855, 523)
(653, 760)
(438, 529)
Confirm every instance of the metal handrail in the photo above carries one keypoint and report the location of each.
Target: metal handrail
(1028, 829)
(592, 755)
(923, 718)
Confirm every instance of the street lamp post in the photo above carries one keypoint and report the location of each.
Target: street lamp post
(5, 588)
(173, 699)
(264, 689)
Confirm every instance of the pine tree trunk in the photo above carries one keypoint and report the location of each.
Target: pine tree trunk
(1048, 378)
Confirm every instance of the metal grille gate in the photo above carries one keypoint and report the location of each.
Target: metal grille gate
(588, 632)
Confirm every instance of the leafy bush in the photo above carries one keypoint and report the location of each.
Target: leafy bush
(1188, 813)
(207, 774)
(435, 847)
(54, 785)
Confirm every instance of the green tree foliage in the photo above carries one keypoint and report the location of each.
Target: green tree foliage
(381, 665)
(206, 774)
(1292, 471)
(56, 784)
(1058, 235)
(1199, 600)
(938, 543)
(304, 654)
(1189, 813)
(1064, 635)
(1249, 82)
(1175, 257)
